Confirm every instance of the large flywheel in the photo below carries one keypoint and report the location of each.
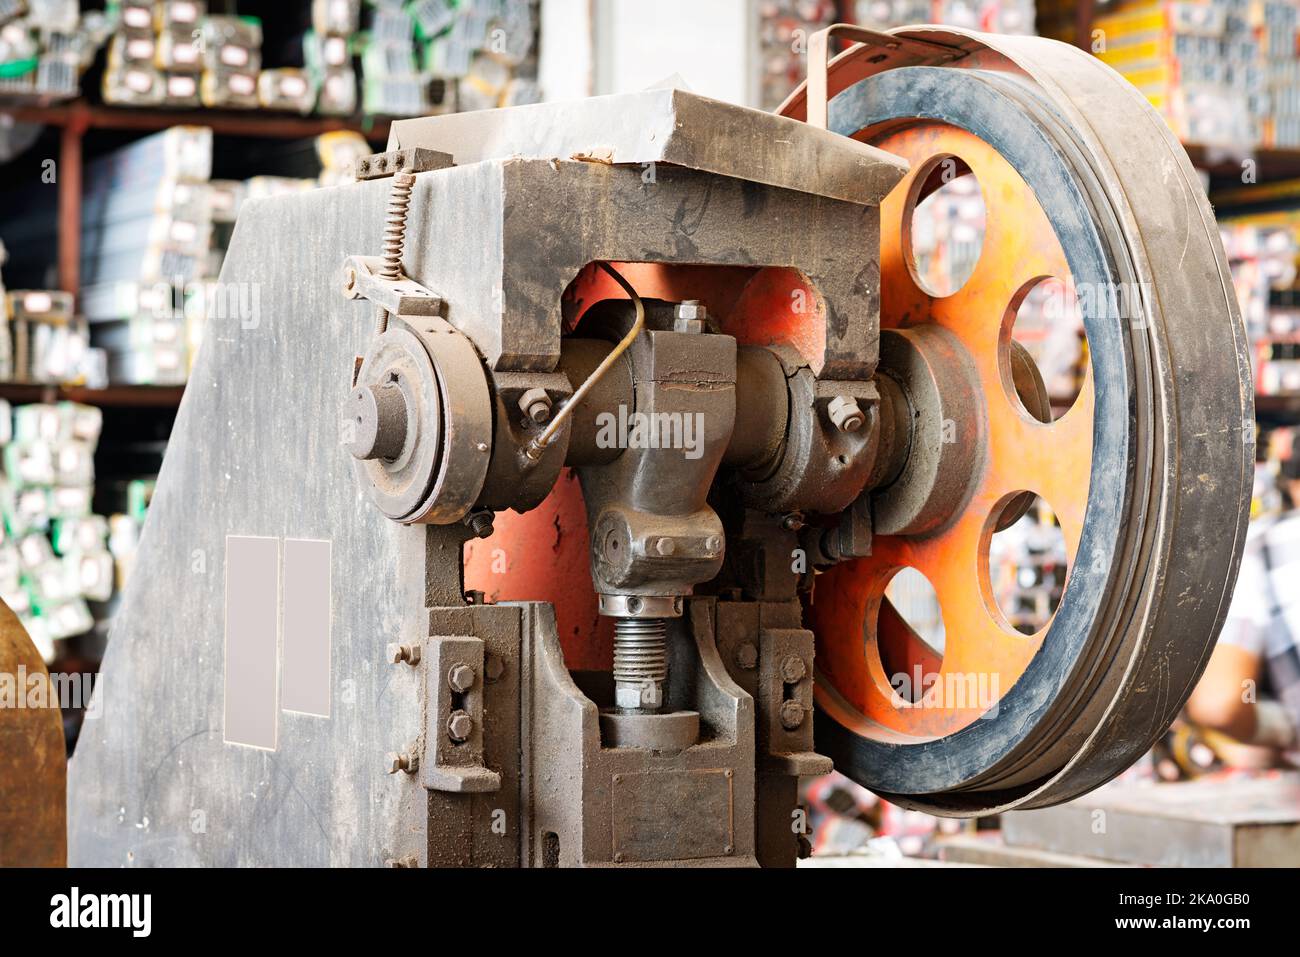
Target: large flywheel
(1148, 472)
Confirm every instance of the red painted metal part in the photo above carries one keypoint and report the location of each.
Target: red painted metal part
(542, 555)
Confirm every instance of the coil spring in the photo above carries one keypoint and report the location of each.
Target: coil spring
(399, 204)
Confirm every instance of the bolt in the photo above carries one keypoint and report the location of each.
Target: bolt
(690, 309)
(689, 316)
(712, 544)
(410, 654)
(536, 404)
(480, 522)
(494, 667)
(793, 669)
(665, 547)
(792, 522)
(640, 661)
(460, 678)
(405, 761)
(747, 656)
(845, 413)
(460, 726)
(792, 715)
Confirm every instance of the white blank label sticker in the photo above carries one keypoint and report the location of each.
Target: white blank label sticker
(306, 627)
(252, 616)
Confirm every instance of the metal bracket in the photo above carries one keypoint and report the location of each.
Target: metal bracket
(453, 733)
(362, 279)
(785, 703)
(414, 160)
(819, 59)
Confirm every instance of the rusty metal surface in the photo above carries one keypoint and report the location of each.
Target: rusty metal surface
(664, 126)
(33, 769)
(1174, 526)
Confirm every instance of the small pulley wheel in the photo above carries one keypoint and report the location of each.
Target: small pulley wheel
(418, 422)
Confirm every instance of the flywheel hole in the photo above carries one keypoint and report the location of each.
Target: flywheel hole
(1044, 356)
(945, 230)
(1027, 563)
(910, 634)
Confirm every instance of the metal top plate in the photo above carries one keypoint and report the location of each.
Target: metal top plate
(665, 126)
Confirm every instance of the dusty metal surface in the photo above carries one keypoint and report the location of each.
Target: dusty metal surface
(667, 126)
(594, 805)
(256, 451)
(499, 252)
(1230, 823)
(33, 770)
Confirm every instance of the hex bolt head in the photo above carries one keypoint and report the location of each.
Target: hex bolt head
(480, 523)
(410, 654)
(460, 726)
(405, 761)
(793, 669)
(689, 316)
(460, 678)
(665, 547)
(536, 404)
(690, 309)
(747, 656)
(845, 414)
(792, 715)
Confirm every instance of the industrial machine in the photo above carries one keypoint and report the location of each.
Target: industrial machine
(540, 509)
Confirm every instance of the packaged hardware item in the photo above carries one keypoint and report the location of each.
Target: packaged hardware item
(135, 85)
(178, 52)
(341, 17)
(127, 49)
(181, 90)
(179, 15)
(136, 17)
(231, 43)
(286, 89)
(338, 93)
(229, 88)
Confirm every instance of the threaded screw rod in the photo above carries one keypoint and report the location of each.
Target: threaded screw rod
(640, 663)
